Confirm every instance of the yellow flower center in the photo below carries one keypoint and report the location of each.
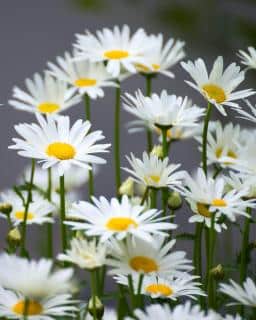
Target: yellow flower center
(116, 54)
(120, 224)
(230, 154)
(219, 203)
(214, 92)
(33, 308)
(145, 264)
(85, 82)
(158, 288)
(20, 215)
(154, 178)
(48, 107)
(156, 66)
(203, 210)
(141, 67)
(61, 150)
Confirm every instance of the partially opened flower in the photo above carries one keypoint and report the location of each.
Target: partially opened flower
(248, 58)
(218, 86)
(84, 76)
(44, 95)
(56, 144)
(117, 47)
(112, 218)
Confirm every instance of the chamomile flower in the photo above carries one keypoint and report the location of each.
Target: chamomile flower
(84, 76)
(240, 181)
(56, 144)
(33, 279)
(218, 86)
(248, 58)
(245, 294)
(108, 219)
(163, 110)
(44, 95)
(152, 171)
(139, 256)
(38, 211)
(117, 47)
(167, 288)
(12, 306)
(162, 56)
(208, 196)
(85, 254)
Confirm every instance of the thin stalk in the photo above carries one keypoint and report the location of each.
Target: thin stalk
(26, 306)
(198, 249)
(132, 293)
(205, 132)
(94, 293)
(117, 139)
(244, 249)
(49, 225)
(63, 213)
(165, 154)
(145, 195)
(153, 198)
(28, 200)
(211, 261)
(148, 94)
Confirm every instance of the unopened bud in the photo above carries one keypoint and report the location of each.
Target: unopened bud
(218, 272)
(14, 237)
(6, 208)
(96, 307)
(157, 151)
(174, 200)
(127, 187)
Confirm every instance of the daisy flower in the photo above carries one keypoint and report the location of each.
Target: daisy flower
(85, 254)
(163, 110)
(137, 255)
(250, 116)
(12, 306)
(112, 218)
(162, 56)
(44, 95)
(207, 196)
(38, 211)
(167, 288)
(248, 58)
(240, 181)
(154, 172)
(33, 279)
(84, 76)
(245, 294)
(56, 144)
(117, 47)
(218, 86)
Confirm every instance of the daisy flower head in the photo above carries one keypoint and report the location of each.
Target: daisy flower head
(163, 110)
(179, 133)
(108, 219)
(142, 257)
(167, 288)
(248, 58)
(245, 294)
(117, 47)
(57, 144)
(13, 304)
(241, 181)
(45, 95)
(162, 56)
(33, 279)
(218, 86)
(154, 172)
(38, 211)
(251, 115)
(85, 254)
(84, 76)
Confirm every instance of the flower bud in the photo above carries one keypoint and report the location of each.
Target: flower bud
(218, 272)
(127, 187)
(157, 151)
(5, 208)
(99, 307)
(14, 237)
(174, 200)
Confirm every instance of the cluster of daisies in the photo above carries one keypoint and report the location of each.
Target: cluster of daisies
(132, 237)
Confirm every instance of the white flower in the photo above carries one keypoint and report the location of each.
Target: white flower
(84, 76)
(171, 287)
(109, 314)
(86, 254)
(245, 294)
(240, 181)
(246, 115)
(56, 144)
(33, 279)
(139, 256)
(154, 172)
(162, 110)
(162, 57)
(117, 47)
(117, 219)
(44, 95)
(38, 211)
(12, 306)
(218, 86)
(248, 58)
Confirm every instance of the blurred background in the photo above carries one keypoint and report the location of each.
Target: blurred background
(34, 32)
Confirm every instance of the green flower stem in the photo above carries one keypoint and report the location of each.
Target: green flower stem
(198, 249)
(205, 132)
(87, 104)
(122, 305)
(94, 293)
(244, 249)
(153, 198)
(145, 195)
(165, 154)
(26, 306)
(148, 94)
(132, 293)
(63, 213)
(211, 262)
(139, 300)
(28, 200)
(117, 139)
(49, 225)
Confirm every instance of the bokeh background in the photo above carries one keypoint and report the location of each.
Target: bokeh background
(34, 32)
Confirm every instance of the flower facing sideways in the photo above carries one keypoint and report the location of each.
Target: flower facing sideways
(248, 58)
